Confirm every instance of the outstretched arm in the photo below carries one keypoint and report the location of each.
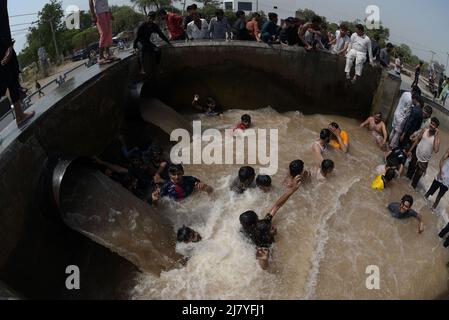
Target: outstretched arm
(367, 121)
(384, 132)
(317, 152)
(284, 198)
(421, 223)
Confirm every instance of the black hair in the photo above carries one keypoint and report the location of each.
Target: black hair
(407, 198)
(262, 236)
(219, 12)
(246, 173)
(254, 15)
(248, 219)
(272, 15)
(376, 37)
(390, 174)
(335, 125)
(263, 181)
(246, 118)
(316, 19)
(296, 168)
(162, 12)
(379, 114)
(325, 134)
(390, 45)
(135, 154)
(175, 168)
(428, 109)
(327, 164)
(436, 121)
(360, 27)
(416, 91)
(210, 100)
(189, 8)
(239, 13)
(194, 6)
(393, 163)
(184, 234)
(151, 14)
(155, 149)
(344, 27)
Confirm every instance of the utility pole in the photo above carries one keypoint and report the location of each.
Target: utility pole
(433, 54)
(447, 62)
(54, 41)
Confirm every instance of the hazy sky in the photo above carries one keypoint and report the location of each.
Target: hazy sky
(423, 25)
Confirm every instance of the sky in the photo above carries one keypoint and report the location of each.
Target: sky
(423, 25)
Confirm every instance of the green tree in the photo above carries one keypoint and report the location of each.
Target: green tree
(125, 18)
(84, 38)
(42, 36)
(146, 6)
(307, 14)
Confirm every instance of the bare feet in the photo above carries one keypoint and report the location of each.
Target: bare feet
(23, 119)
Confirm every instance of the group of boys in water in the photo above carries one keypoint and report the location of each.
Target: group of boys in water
(151, 177)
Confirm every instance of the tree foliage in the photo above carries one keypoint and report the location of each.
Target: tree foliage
(40, 35)
(125, 18)
(146, 6)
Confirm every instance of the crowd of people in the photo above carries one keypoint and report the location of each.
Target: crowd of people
(354, 45)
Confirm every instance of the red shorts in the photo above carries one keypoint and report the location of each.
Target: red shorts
(104, 25)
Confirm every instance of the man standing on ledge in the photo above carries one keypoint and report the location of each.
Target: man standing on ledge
(9, 67)
(102, 16)
(359, 47)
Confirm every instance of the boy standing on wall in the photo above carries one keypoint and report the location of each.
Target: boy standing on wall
(102, 17)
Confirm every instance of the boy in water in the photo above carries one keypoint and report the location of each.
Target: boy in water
(378, 129)
(245, 123)
(180, 187)
(324, 171)
(188, 235)
(403, 210)
(244, 181)
(296, 169)
(263, 182)
(262, 232)
(339, 138)
(157, 164)
(210, 108)
(382, 181)
(320, 146)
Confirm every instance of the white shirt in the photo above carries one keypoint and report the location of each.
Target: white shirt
(402, 110)
(398, 65)
(340, 41)
(194, 33)
(361, 44)
(424, 150)
(101, 6)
